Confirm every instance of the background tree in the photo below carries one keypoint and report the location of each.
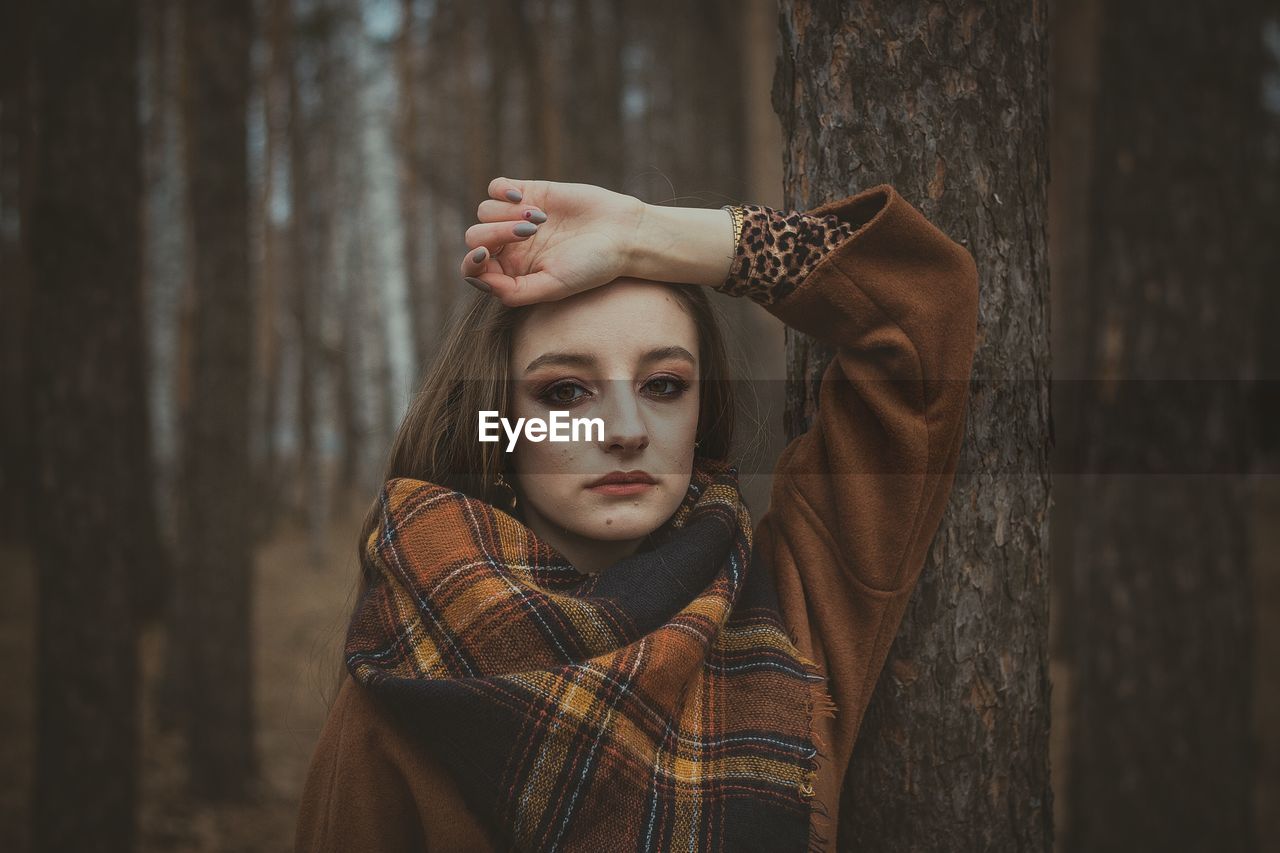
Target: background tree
(215, 539)
(949, 106)
(1161, 635)
(92, 525)
(15, 124)
(273, 276)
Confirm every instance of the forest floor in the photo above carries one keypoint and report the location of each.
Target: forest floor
(300, 615)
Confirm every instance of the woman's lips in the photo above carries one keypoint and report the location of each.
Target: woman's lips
(623, 483)
(621, 488)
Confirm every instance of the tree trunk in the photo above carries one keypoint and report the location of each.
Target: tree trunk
(346, 188)
(15, 159)
(168, 299)
(1073, 63)
(950, 108)
(347, 362)
(593, 127)
(91, 511)
(300, 267)
(409, 156)
(216, 541)
(306, 273)
(274, 275)
(1161, 634)
(154, 581)
(541, 102)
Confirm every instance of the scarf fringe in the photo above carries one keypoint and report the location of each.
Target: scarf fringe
(820, 704)
(820, 840)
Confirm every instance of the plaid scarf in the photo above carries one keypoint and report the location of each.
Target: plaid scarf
(656, 705)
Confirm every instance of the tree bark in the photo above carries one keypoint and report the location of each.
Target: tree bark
(91, 511)
(215, 541)
(949, 107)
(1161, 616)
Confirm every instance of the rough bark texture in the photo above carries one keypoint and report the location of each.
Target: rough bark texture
(1161, 635)
(948, 104)
(215, 536)
(91, 513)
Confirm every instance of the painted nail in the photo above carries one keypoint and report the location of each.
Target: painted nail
(478, 284)
(478, 255)
(535, 216)
(524, 229)
(514, 195)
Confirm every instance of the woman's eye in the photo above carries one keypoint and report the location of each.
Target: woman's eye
(666, 386)
(564, 393)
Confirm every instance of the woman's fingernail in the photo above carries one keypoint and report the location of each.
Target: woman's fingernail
(478, 255)
(535, 216)
(524, 229)
(478, 284)
(514, 195)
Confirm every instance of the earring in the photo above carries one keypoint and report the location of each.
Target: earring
(501, 483)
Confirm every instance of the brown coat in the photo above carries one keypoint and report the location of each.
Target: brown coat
(855, 505)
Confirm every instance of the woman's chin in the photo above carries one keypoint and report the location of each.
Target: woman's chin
(619, 521)
(617, 529)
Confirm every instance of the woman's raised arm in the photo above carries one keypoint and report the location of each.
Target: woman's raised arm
(857, 499)
(538, 241)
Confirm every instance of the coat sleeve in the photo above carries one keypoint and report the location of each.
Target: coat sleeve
(355, 796)
(857, 499)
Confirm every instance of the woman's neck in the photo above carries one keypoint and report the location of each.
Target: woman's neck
(589, 556)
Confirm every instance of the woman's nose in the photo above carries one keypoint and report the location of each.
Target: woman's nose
(624, 425)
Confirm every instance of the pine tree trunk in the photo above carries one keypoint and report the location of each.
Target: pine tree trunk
(215, 534)
(1161, 616)
(949, 106)
(91, 511)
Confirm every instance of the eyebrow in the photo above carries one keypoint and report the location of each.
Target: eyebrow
(577, 359)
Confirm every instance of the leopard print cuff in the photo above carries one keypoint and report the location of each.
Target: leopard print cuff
(778, 248)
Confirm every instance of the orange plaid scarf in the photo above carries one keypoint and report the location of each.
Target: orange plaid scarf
(657, 705)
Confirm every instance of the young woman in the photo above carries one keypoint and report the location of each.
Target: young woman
(585, 645)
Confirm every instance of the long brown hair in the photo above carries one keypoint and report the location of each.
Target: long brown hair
(438, 440)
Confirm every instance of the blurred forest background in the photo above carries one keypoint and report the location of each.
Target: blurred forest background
(288, 188)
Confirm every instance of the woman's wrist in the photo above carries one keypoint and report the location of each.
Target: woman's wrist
(692, 245)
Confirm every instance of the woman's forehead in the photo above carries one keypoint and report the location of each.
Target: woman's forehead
(622, 319)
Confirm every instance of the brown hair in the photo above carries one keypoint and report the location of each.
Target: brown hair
(438, 439)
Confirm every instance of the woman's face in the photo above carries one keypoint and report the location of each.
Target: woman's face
(627, 353)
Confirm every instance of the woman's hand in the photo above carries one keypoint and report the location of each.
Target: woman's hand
(544, 240)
